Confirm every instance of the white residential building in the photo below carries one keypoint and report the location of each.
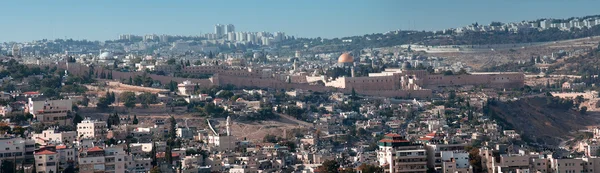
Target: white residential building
(186, 88)
(53, 136)
(89, 128)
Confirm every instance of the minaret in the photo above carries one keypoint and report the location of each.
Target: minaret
(227, 125)
(295, 65)
(67, 70)
(352, 71)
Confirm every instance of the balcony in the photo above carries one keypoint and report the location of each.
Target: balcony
(411, 163)
(411, 170)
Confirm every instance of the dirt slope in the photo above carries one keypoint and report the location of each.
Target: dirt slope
(538, 122)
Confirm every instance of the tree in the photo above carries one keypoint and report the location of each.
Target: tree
(171, 61)
(113, 120)
(168, 152)
(370, 168)
(102, 103)
(462, 71)
(475, 159)
(270, 138)
(128, 99)
(430, 70)
(7, 166)
(77, 119)
(135, 120)
(583, 110)
(420, 66)
(153, 155)
(172, 86)
(85, 101)
(329, 166)
(172, 130)
(155, 169)
(147, 98)
(69, 169)
(579, 99)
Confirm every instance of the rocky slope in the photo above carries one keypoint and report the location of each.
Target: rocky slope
(538, 122)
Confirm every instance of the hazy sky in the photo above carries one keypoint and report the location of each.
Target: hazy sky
(27, 20)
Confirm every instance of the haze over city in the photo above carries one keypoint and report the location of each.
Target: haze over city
(105, 20)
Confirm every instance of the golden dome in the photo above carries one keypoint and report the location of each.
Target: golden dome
(345, 58)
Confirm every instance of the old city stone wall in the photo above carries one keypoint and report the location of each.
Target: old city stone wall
(385, 86)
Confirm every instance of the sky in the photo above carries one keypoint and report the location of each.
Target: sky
(28, 20)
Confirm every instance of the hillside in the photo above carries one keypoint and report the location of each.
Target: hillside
(584, 64)
(538, 122)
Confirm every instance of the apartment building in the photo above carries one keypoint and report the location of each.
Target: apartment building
(567, 165)
(51, 111)
(434, 151)
(46, 161)
(455, 162)
(108, 160)
(91, 129)
(396, 154)
(67, 156)
(502, 159)
(54, 136)
(16, 149)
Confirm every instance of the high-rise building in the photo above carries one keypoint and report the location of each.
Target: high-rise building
(239, 36)
(219, 30)
(545, 24)
(16, 51)
(279, 36)
(251, 37)
(230, 28)
(231, 36)
(150, 37)
(164, 38)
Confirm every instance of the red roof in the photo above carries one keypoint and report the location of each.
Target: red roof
(162, 154)
(96, 148)
(425, 139)
(389, 140)
(392, 135)
(31, 93)
(45, 152)
(61, 147)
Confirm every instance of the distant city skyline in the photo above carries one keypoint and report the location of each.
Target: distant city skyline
(106, 20)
